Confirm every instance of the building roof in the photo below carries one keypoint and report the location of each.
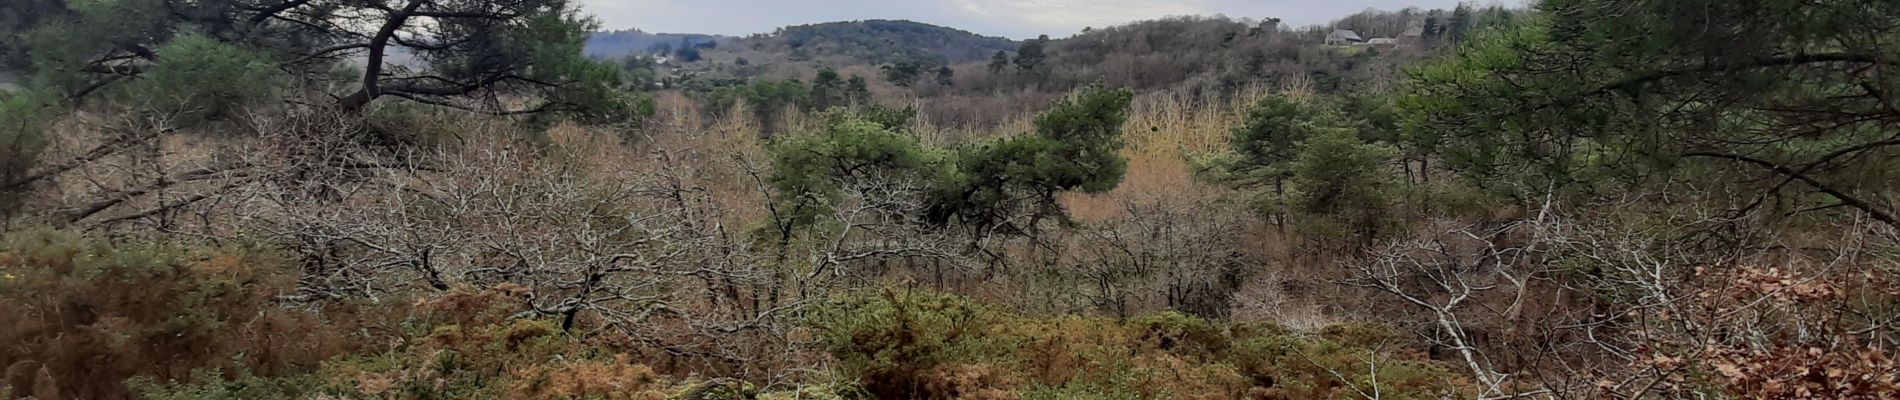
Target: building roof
(1382, 41)
(1415, 31)
(1345, 34)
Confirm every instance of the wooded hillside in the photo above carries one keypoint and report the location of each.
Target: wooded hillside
(434, 199)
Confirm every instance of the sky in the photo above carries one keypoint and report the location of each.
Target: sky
(1016, 19)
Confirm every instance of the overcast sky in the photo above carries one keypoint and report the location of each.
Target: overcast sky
(1013, 18)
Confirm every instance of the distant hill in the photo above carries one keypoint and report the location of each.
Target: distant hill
(878, 42)
(634, 41)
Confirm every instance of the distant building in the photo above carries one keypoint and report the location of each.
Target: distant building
(1413, 36)
(1343, 37)
(1383, 42)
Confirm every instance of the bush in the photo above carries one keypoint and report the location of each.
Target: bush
(932, 346)
(84, 316)
(897, 344)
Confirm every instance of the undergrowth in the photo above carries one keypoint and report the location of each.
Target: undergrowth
(100, 320)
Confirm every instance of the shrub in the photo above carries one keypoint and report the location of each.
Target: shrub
(926, 345)
(91, 315)
(212, 385)
(895, 343)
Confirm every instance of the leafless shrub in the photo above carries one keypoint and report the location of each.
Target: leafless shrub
(1626, 305)
(1177, 253)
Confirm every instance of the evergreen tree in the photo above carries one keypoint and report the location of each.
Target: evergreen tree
(1075, 147)
(811, 171)
(828, 90)
(1343, 186)
(857, 90)
(1029, 56)
(903, 74)
(1268, 141)
(1590, 97)
(528, 48)
(946, 76)
(999, 62)
(687, 52)
(1461, 23)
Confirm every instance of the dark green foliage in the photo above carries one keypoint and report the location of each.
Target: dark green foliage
(1075, 147)
(1343, 184)
(213, 385)
(640, 72)
(890, 342)
(767, 99)
(16, 19)
(1376, 115)
(550, 44)
(1030, 56)
(448, 52)
(904, 73)
(1432, 31)
(62, 48)
(1461, 23)
(1311, 164)
(1087, 129)
(1590, 97)
(924, 345)
(999, 62)
(858, 90)
(994, 180)
(894, 119)
(689, 52)
(1480, 124)
(812, 171)
(1268, 141)
(946, 76)
(828, 90)
(202, 79)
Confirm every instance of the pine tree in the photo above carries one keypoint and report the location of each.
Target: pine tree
(857, 90)
(1029, 56)
(946, 76)
(999, 62)
(1461, 23)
